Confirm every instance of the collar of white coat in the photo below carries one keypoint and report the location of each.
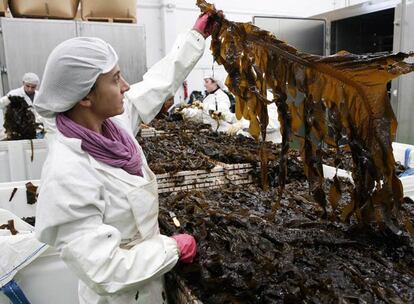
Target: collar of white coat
(75, 145)
(22, 93)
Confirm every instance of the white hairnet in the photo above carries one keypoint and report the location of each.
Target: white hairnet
(216, 80)
(71, 70)
(31, 78)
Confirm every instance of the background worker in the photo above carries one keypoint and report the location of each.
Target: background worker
(216, 106)
(216, 100)
(30, 82)
(28, 90)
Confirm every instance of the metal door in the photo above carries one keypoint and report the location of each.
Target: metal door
(128, 41)
(402, 92)
(305, 34)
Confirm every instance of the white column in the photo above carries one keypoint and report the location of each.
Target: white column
(169, 20)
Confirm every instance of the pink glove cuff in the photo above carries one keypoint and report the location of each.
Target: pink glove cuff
(201, 25)
(187, 246)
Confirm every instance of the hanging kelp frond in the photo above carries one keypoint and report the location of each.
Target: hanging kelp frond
(339, 100)
(19, 120)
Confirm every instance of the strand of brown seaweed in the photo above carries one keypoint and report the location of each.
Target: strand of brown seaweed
(340, 101)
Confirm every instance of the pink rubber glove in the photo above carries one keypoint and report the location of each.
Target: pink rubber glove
(204, 25)
(187, 246)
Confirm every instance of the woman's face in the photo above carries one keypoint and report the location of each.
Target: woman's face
(210, 85)
(107, 97)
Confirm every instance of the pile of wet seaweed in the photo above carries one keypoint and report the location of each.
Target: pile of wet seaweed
(296, 258)
(19, 120)
(233, 149)
(170, 154)
(203, 148)
(182, 150)
(345, 162)
(177, 126)
(339, 101)
(244, 150)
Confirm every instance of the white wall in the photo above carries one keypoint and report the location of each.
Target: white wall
(165, 19)
(149, 13)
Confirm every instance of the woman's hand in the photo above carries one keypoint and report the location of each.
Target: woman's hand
(205, 24)
(187, 246)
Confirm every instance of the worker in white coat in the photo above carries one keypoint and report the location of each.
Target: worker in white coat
(240, 127)
(28, 89)
(98, 200)
(273, 127)
(216, 105)
(30, 83)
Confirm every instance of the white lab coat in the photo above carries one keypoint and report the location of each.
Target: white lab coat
(193, 114)
(217, 101)
(273, 128)
(103, 220)
(20, 92)
(220, 102)
(17, 251)
(4, 101)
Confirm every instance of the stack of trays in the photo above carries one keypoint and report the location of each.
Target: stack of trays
(238, 174)
(187, 180)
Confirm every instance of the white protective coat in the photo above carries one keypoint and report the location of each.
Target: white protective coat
(20, 92)
(217, 102)
(103, 220)
(17, 251)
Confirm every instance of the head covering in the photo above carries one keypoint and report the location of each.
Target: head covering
(216, 80)
(31, 78)
(71, 70)
(114, 147)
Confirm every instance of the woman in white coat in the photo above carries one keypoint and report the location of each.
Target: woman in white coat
(216, 104)
(98, 201)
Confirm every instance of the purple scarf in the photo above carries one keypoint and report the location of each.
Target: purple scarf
(114, 147)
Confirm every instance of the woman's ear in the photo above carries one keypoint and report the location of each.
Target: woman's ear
(86, 101)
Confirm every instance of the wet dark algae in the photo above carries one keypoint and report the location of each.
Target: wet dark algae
(19, 120)
(176, 124)
(246, 256)
(303, 253)
(339, 101)
(172, 154)
(186, 146)
(164, 152)
(243, 257)
(31, 220)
